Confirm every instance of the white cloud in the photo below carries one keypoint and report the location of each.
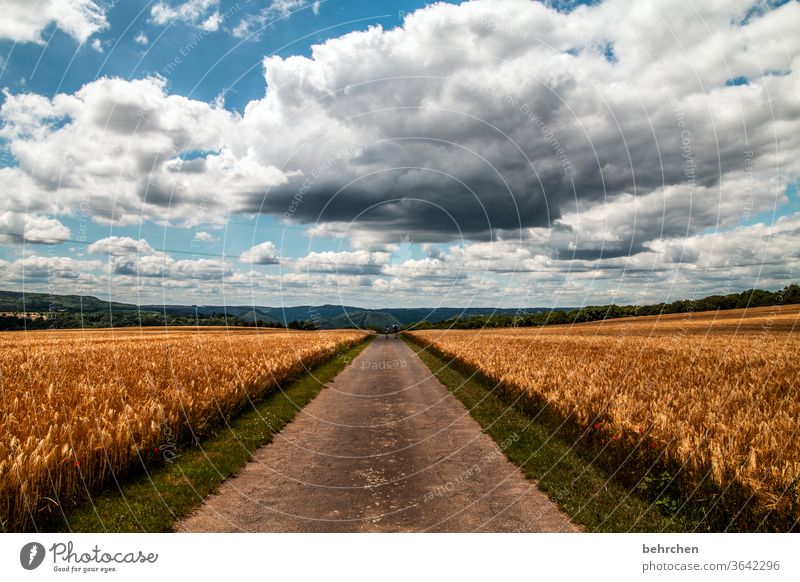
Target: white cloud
(17, 227)
(320, 288)
(202, 14)
(141, 39)
(97, 45)
(427, 268)
(561, 147)
(204, 269)
(252, 25)
(37, 269)
(767, 249)
(432, 251)
(130, 259)
(120, 246)
(203, 236)
(286, 7)
(115, 146)
(263, 253)
(211, 24)
(345, 262)
(25, 21)
(526, 121)
(192, 12)
(479, 142)
(137, 266)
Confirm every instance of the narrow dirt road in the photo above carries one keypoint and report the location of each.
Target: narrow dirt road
(384, 447)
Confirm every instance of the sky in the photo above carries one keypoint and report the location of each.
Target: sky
(483, 153)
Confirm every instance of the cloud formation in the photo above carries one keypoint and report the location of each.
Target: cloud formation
(202, 236)
(25, 21)
(201, 13)
(343, 262)
(62, 273)
(261, 254)
(130, 259)
(522, 116)
(17, 227)
(523, 146)
(251, 26)
(127, 151)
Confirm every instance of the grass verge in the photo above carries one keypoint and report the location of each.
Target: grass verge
(574, 475)
(154, 501)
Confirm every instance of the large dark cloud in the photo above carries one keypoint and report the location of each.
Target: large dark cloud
(504, 131)
(503, 115)
(607, 139)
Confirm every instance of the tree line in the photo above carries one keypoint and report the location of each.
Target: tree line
(750, 298)
(96, 319)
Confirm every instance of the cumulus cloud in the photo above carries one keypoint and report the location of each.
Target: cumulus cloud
(202, 13)
(120, 245)
(133, 259)
(25, 21)
(116, 148)
(667, 269)
(525, 117)
(203, 236)
(251, 26)
(16, 227)
(211, 24)
(37, 269)
(261, 254)
(769, 251)
(550, 145)
(204, 269)
(345, 262)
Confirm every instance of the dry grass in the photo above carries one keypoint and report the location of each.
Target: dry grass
(79, 406)
(713, 394)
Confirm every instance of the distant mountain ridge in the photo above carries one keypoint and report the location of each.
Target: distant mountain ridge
(70, 311)
(320, 316)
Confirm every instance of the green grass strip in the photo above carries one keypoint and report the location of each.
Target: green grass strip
(547, 452)
(154, 501)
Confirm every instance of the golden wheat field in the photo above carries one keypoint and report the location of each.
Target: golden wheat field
(713, 393)
(80, 405)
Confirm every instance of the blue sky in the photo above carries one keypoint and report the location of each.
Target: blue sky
(211, 63)
(218, 62)
(476, 153)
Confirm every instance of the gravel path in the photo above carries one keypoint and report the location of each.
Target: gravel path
(384, 447)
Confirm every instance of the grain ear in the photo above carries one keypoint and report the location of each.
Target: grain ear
(83, 406)
(708, 398)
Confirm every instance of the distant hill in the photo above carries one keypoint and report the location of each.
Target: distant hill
(342, 316)
(750, 298)
(66, 311)
(85, 310)
(41, 302)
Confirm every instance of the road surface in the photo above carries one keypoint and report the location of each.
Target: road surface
(383, 448)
